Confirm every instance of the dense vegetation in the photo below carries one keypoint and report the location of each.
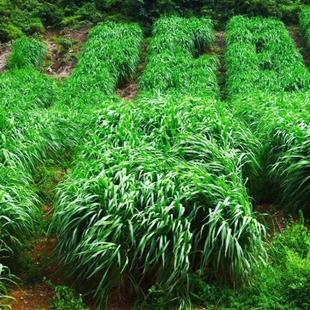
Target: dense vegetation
(33, 16)
(156, 208)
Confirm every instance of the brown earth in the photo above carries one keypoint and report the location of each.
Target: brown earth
(128, 91)
(296, 35)
(62, 61)
(5, 50)
(218, 49)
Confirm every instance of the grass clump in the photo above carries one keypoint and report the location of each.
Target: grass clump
(110, 57)
(280, 124)
(172, 66)
(162, 170)
(267, 61)
(26, 53)
(177, 214)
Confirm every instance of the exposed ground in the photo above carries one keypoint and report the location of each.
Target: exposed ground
(218, 49)
(62, 58)
(5, 50)
(296, 35)
(37, 295)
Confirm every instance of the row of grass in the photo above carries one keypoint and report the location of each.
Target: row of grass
(277, 115)
(261, 56)
(174, 62)
(20, 144)
(157, 190)
(30, 133)
(304, 22)
(109, 58)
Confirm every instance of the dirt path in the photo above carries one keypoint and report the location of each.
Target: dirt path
(218, 49)
(129, 90)
(37, 294)
(4, 54)
(296, 35)
(63, 60)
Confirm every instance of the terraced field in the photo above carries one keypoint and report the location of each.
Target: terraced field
(159, 189)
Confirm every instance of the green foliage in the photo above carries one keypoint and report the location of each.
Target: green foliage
(262, 56)
(281, 284)
(65, 298)
(37, 91)
(65, 43)
(32, 16)
(48, 175)
(295, 238)
(110, 57)
(261, 59)
(171, 65)
(26, 52)
(20, 17)
(156, 204)
(304, 22)
(279, 122)
(9, 32)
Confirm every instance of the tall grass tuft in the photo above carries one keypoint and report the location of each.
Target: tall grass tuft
(148, 200)
(280, 123)
(304, 22)
(110, 57)
(27, 89)
(136, 217)
(172, 66)
(26, 53)
(267, 59)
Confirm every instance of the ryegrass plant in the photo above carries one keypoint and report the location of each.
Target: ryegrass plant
(171, 65)
(269, 60)
(188, 34)
(167, 171)
(136, 217)
(110, 57)
(280, 123)
(19, 211)
(157, 191)
(26, 89)
(5, 278)
(26, 53)
(269, 63)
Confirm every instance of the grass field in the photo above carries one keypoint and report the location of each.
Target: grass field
(153, 199)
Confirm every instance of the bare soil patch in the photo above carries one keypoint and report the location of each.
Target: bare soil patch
(296, 35)
(62, 61)
(5, 50)
(129, 90)
(218, 49)
(32, 298)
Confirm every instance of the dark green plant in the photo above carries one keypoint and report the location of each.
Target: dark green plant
(295, 238)
(65, 43)
(65, 298)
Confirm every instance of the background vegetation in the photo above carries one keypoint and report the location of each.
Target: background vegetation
(19, 17)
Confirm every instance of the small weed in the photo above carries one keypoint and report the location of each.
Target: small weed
(65, 298)
(65, 44)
